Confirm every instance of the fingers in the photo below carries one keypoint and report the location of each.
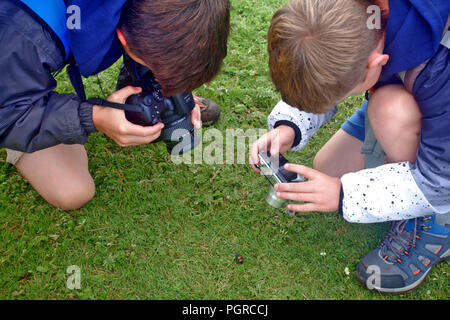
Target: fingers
(307, 207)
(130, 134)
(258, 145)
(127, 141)
(115, 125)
(321, 193)
(128, 128)
(120, 96)
(275, 143)
(301, 197)
(305, 171)
(196, 117)
(263, 143)
(254, 166)
(254, 158)
(305, 187)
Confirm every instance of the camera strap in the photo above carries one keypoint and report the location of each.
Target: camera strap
(77, 83)
(121, 106)
(73, 72)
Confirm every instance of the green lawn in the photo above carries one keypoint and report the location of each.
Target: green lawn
(156, 230)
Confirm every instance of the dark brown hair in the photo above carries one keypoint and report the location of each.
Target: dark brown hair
(183, 42)
(319, 50)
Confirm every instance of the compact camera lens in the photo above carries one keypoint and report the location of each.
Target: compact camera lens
(273, 200)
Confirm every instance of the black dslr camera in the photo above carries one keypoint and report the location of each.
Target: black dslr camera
(272, 167)
(174, 112)
(152, 106)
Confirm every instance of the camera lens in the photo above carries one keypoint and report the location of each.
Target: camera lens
(185, 144)
(180, 136)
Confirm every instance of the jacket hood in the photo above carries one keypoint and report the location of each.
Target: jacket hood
(95, 45)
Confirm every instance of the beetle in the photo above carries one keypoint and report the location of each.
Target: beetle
(239, 258)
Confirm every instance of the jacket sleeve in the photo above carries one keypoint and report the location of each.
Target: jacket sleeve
(304, 124)
(32, 115)
(384, 193)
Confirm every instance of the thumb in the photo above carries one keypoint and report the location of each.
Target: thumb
(275, 143)
(120, 96)
(274, 149)
(196, 117)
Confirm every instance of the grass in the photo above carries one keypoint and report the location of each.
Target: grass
(156, 230)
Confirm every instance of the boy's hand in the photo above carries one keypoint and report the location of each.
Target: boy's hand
(277, 141)
(320, 192)
(115, 125)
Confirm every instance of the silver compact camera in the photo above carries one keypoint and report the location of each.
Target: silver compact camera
(272, 167)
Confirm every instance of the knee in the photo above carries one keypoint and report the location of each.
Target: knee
(75, 195)
(393, 107)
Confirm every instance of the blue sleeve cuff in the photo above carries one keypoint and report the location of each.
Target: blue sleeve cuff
(85, 113)
(298, 133)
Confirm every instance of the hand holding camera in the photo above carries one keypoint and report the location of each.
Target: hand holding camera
(273, 168)
(277, 141)
(136, 116)
(319, 193)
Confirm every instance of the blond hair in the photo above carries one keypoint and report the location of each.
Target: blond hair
(318, 51)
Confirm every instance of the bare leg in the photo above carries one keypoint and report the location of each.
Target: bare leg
(60, 175)
(395, 119)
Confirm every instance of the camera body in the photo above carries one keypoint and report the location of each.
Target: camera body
(272, 167)
(156, 107)
(153, 106)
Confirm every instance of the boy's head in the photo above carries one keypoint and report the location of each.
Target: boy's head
(183, 42)
(322, 51)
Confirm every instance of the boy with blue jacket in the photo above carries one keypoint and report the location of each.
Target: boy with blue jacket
(182, 42)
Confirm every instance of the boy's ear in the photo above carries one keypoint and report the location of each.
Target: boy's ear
(378, 59)
(121, 37)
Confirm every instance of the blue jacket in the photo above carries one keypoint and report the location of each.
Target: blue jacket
(32, 115)
(95, 45)
(413, 33)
